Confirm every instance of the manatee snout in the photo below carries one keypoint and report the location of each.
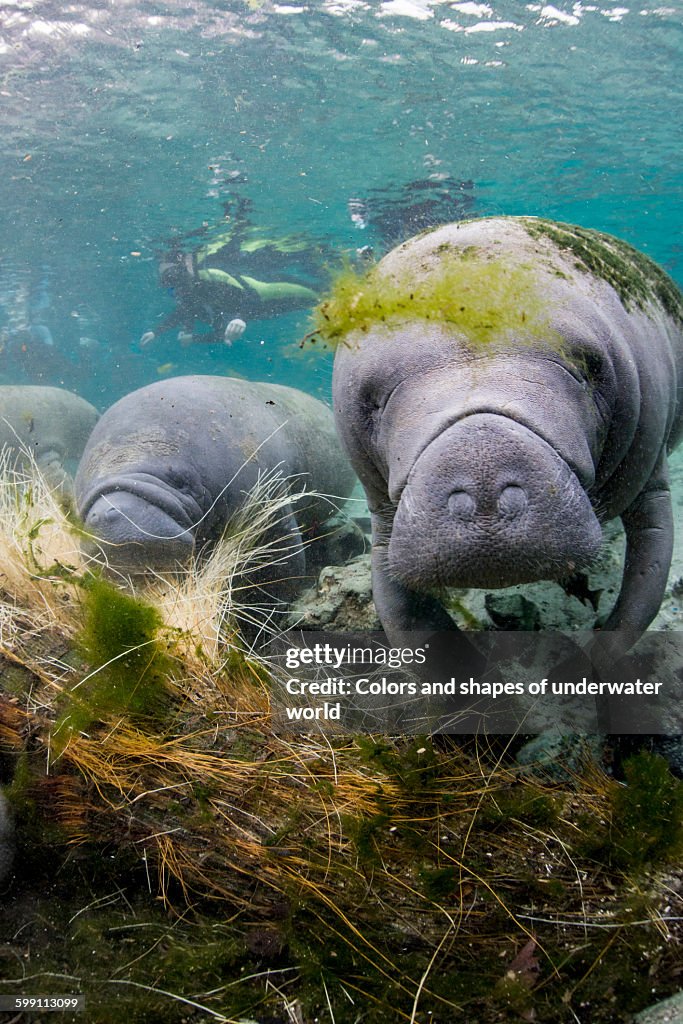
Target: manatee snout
(145, 520)
(489, 503)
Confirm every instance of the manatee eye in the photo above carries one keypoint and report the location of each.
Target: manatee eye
(179, 480)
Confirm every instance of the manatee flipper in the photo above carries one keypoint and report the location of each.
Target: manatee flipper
(400, 609)
(648, 524)
(412, 619)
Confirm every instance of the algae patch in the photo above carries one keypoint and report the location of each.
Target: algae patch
(485, 299)
(636, 278)
(130, 665)
(647, 815)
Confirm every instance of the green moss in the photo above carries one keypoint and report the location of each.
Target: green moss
(129, 666)
(363, 833)
(525, 802)
(414, 764)
(645, 827)
(18, 792)
(635, 277)
(647, 814)
(292, 826)
(484, 299)
(514, 996)
(30, 796)
(132, 961)
(440, 883)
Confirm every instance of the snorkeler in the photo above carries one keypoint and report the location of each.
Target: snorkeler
(236, 277)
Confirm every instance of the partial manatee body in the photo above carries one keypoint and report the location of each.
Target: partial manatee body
(168, 465)
(50, 423)
(503, 387)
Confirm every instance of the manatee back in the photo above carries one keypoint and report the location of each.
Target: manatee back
(314, 449)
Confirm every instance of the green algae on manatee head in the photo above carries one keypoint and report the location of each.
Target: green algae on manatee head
(485, 299)
(635, 278)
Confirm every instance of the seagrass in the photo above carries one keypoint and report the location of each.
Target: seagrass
(386, 843)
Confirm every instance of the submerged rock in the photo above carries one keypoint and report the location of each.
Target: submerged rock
(341, 600)
(670, 1011)
(512, 611)
(559, 756)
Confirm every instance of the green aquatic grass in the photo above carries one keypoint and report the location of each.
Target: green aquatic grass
(129, 664)
(644, 831)
(647, 815)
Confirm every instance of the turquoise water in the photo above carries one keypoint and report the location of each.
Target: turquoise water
(128, 124)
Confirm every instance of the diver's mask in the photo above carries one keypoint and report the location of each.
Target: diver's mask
(176, 270)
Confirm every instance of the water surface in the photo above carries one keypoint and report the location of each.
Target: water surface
(128, 124)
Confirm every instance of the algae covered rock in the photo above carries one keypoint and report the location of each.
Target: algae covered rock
(341, 599)
(513, 611)
(670, 1011)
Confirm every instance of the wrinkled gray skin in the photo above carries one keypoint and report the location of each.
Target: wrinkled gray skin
(168, 465)
(51, 423)
(491, 469)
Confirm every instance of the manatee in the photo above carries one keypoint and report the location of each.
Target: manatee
(50, 423)
(168, 465)
(503, 387)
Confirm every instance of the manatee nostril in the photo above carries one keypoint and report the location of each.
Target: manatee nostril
(461, 505)
(512, 501)
(98, 517)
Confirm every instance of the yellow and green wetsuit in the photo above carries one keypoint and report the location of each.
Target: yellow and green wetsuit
(249, 277)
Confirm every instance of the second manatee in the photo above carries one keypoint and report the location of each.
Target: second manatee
(168, 465)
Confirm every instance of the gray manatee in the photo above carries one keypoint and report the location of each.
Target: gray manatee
(168, 465)
(51, 423)
(502, 387)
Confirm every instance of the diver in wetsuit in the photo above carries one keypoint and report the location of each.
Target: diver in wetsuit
(241, 275)
(235, 278)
